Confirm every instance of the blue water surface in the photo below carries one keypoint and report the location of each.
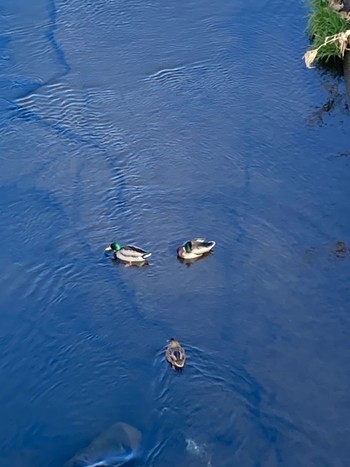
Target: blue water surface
(152, 122)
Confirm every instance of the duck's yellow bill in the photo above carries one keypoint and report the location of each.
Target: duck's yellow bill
(109, 248)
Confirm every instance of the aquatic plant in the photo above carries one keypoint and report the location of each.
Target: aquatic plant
(329, 31)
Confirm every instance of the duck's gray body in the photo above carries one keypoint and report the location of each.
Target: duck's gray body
(132, 254)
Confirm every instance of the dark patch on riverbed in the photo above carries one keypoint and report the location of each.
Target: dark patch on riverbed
(338, 250)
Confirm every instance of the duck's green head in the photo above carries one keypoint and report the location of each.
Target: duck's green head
(188, 247)
(113, 247)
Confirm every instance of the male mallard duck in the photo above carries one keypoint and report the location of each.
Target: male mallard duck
(175, 354)
(128, 253)
(195, 248)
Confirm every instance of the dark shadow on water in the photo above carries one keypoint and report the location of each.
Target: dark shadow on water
(336, 102)
(332, 68)
(61, 58)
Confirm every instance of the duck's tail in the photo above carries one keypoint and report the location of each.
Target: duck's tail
(208, 245)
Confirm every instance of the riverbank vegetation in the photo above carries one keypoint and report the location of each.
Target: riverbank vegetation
(329, 31)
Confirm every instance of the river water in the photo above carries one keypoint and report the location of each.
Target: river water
(151, 123)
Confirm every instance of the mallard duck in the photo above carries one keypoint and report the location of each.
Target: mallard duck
(175, 354)
(195, 248)
(128, 253)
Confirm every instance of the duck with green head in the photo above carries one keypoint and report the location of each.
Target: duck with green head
(194, 249)
(128, 253)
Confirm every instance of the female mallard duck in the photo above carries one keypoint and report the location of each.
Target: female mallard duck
(175, 354)
(128, 253)
(195, 248)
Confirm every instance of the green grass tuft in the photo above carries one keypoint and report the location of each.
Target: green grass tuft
(323, 22)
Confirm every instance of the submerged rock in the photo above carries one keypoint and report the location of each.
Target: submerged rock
(340, 249)
(112, 448)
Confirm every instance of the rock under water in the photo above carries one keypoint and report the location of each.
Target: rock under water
(112, 448)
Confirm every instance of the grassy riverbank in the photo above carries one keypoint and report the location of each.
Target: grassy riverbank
(326, 20)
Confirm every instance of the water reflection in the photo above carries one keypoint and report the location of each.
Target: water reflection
(140, 264)
(190, 262)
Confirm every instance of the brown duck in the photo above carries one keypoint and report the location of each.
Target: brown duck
(175, 354)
